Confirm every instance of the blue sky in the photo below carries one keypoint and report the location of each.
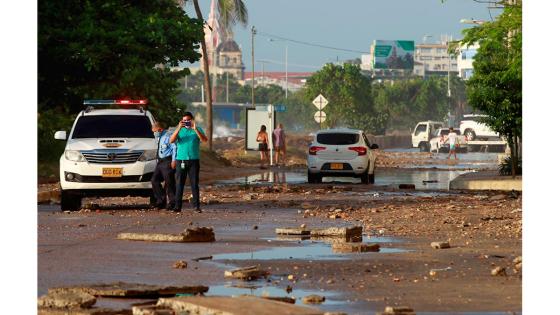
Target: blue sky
(350, 24)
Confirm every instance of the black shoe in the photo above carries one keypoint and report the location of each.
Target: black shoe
(176, 210)
(157, 206)
(197, 210)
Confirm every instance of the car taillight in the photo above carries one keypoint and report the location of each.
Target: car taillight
(360, 150)
(314, 149)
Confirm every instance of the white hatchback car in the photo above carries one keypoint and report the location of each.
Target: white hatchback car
(341, 153)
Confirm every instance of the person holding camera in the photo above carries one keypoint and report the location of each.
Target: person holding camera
(188, 137)
(165, 169)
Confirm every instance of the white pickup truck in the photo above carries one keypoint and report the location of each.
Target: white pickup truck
(438, 144)
(423, 132)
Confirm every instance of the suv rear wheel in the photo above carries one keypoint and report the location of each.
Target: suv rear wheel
(365, 178)
(70, 201)
(469, 133)
(313, 178)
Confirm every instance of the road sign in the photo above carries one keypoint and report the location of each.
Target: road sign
(280, 108)
(320, 116)
(320, 102)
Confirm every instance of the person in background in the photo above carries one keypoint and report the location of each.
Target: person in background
(262, 139)
(188, 137)
(165, 169)
(452, 138)
(279, 141)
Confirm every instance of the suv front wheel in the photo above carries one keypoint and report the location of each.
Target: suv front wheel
(70, 201)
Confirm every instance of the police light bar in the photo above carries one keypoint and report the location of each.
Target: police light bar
(115, 102)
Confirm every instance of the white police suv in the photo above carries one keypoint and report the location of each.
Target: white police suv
(341, 153)
(109, 152)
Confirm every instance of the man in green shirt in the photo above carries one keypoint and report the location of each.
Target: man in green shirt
(188, 137)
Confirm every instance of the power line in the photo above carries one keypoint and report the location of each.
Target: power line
(310, 44)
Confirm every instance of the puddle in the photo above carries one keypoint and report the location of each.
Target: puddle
(237, 289)
(311, 250)
(431, 179)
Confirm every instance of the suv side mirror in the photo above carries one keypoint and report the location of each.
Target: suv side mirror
(374, 146)
(60, 135)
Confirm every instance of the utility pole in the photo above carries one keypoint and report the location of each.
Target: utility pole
(227, 87)
(286, 71)
(253, 33)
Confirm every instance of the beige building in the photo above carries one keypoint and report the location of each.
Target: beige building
(433, 59)
(229, 59)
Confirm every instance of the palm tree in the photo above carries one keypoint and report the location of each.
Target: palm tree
(231, 12)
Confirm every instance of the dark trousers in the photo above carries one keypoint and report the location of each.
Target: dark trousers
(164, 172)
(192, 170)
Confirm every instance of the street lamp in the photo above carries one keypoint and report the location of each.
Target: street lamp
(286, 55)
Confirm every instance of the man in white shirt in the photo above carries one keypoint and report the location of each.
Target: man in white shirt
(453, 143)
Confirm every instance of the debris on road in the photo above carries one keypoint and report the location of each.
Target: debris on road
(338, 231)
(283, 299)
(313, 299)
(234, 306)
(354, 247)
(152, 310)
(203, 258)
(131, 290)
(66, 300)
(199, 234)
(398, 310)
(293, 231)
(247, 273)
(499, 271)
(180, 264)
(440, 245)
(407, 186)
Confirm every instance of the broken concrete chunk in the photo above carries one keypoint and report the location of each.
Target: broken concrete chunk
(293, 231)
(122, 289)
(407, 186)
(499, 271)
(354, 247)
(82, 311)
(66, 300)
(440, 245)
(152, 310)
(247, 273)
(338, 231)
(180, 264)
(284, 299)
(313, 299)
(201, 234)
(234, 306)
(398, 310)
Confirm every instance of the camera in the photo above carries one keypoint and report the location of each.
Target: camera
(187, 123)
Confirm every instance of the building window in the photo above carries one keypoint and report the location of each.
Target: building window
(425, 58)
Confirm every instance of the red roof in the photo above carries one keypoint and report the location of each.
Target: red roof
(293, 77)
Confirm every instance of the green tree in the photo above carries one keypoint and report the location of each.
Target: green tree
(231, 12)
(495, 87)
(349, 95)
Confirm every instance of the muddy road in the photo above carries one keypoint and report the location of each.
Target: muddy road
(484, 230)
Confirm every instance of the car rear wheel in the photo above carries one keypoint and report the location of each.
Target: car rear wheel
(372, 178)
(365, 177)
(469, 133)
(313, 178)
(70, 201)
(424, 147)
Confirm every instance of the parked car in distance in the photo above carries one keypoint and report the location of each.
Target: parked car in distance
(341, 153)
(423, 132)
(473, 128)
(437, 143)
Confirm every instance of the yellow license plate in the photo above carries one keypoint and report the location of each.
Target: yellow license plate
(336, 166)
(111, 172)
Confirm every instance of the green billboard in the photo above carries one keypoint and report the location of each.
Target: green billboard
(393, 54)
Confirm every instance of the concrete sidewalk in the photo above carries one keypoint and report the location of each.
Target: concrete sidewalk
(486, 180)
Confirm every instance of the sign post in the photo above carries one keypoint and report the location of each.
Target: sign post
(320, 102)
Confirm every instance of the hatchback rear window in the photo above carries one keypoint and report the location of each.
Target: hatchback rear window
(338, 138)
(113, 126)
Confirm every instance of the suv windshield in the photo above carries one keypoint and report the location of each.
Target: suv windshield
(337, 138)
(113, 126)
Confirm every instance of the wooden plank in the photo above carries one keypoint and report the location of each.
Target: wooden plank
(122, 289)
